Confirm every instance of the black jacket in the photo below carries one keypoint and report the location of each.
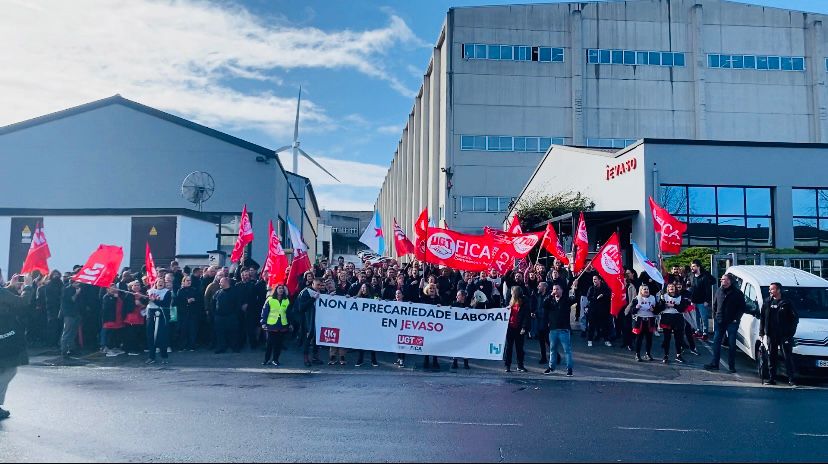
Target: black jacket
(701, 288)
(185, 294)
(109, 306)
(49, 296)
(12, 329)
(70, 302)
(599, 299)
(556, 313)
(306, 310)
(227, 302)
(728, 305)
(778, 319)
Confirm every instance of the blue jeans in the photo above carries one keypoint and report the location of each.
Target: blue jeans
(731, 328)
(562, 337)
(702, 317)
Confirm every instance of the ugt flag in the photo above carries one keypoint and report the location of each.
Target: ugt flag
(39, 254)
(372, 236)
(669, 228)
(608, 264)
(649, 267)
(581, 245)
(553, 245)
(102, 267)
(245, 236)
(401, 243)
(276, 263)
(420, 233)
(514, 226)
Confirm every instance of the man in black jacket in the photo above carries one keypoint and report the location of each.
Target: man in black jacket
(556, 315)
(12, 339)
(700, 284)
(306, 311)
(728, 308)
(777, 326)
(226, 316)
(539, 323)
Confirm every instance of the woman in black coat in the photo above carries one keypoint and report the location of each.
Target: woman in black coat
(519, 323)
(12, 339)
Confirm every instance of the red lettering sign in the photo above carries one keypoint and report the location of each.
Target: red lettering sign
(412, 340)
(621, 168)
(329, 335)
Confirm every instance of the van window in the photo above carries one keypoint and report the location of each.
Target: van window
(751, 302)
(809, 302)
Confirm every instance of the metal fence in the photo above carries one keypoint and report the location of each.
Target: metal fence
(816, 264)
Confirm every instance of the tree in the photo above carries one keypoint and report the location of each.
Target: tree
(686, 257)
(537, 207)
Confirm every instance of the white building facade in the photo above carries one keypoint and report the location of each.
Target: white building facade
(111, 172)
(507, 82)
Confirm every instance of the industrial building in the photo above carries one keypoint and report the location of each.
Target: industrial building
(507, 82)
(111, 171)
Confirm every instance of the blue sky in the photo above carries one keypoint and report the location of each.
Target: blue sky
(237, 65)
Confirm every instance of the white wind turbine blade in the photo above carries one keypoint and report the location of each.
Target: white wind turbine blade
(317, 164)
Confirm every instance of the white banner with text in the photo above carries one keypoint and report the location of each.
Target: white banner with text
(412, 328)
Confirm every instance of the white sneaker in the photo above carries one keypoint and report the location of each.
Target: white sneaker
(608, 343)
(111, 354)
(589, 343)
(169, 350)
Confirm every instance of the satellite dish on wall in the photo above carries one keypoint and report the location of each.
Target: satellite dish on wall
(198, 187)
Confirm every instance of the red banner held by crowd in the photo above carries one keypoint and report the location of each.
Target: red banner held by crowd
(608, 264)
(514, 226)
(245, 236)
(581, 246)
(507, 247)
(102, 267)
(401, 243)
(669, 229)
(39, 254)
(459, 251)
(420, 232)
(149, 263)
(552, 245)
(276, 263)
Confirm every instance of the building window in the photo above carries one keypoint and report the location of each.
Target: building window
(634, 57)
(760, 62)
(810, 218)
(724, 217)
(228, 232)
(609, 143)
(508, 143)
(485, 204)
(475, 51)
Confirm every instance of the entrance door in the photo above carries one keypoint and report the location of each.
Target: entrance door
(160, 233)
(22, 229)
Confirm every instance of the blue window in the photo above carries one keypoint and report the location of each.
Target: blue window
(494, 52)
(642, 58)
(505, 52)
(520, 143)
(468, 51)
(592, 57)
(787, 63)
(737, 61)
(466, 142)
(531, 144)
(604, 56)
(545, 54)
(558, 55)
(508, 143)
(750, 62)
(493, 143)
(545, 142)
(773, 62)
(725, 61)
(678, 59)
(655, 58)
(798, 63)
(557, 141)
(629, 57)
(666, 58)
(480, 51)
(713, 60)
(617, 56)
(761, 62)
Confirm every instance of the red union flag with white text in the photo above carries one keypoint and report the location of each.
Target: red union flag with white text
(152, 273)
(553, 245)
(459, 251)
(507, 247)
(669, 228)
(401, 243)
(276, 263)
(245, 236)
(39, 254)
(580, 245)
(102, 267)
(608, 264)
(420, 233)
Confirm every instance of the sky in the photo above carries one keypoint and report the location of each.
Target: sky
(237, 66)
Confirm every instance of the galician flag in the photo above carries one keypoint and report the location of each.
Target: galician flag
(372, 237)
(649, 267)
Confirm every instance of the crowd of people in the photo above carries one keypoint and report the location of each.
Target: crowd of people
(221, 309)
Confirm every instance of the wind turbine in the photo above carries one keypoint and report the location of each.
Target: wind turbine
(295, 146)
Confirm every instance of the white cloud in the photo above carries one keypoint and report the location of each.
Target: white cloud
(177, 56)
(351, 173)
(335, 201)
(391, 129)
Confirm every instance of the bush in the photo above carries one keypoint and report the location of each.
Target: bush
(537, 208)
(686, 257)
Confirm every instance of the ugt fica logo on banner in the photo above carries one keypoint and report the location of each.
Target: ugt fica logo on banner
(329, 335)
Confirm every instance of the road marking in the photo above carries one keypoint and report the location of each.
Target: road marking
(818, 435)
(485, 424)
(661, 430)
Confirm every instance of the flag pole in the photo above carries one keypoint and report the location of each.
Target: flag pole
(537, 258)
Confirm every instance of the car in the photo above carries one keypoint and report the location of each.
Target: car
(809, 295)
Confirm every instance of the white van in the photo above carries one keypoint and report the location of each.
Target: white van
(809, 295)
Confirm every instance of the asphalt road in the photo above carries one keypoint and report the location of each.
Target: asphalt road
(199, 413)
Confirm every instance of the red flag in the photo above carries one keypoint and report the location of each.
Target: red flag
(514, 226)
(152, 274)
(102, 267)
(459, 251)
(608, 264)
(420, 233)
(669, 228)
(553, 245)
(301, 261)
(581, 246)
(39, 254)
(276, 263)
(401, 243)
(245, 236)
(509, 247)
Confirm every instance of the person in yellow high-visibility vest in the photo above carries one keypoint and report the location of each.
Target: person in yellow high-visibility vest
(275, 322)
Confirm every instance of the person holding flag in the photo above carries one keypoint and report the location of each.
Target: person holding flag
(158, 317)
